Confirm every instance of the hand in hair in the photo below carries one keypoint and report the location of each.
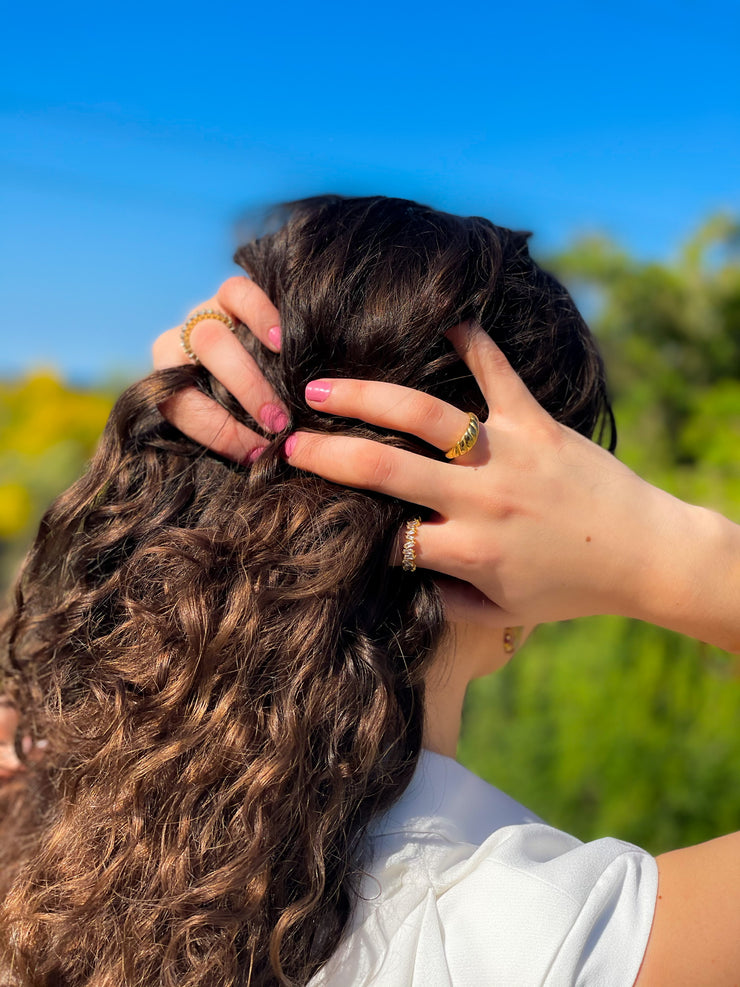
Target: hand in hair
(536, 523)
(197, 415)
(539, 519)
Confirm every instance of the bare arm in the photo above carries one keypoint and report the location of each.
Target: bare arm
(695, 938)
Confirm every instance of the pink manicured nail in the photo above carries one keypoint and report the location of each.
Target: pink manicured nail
(318, 391)
(274, 335)
(290, 444)
(256, 453)
(273, 417)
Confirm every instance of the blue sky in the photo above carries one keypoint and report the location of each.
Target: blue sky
(132, 138)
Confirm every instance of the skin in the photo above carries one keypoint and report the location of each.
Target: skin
(471, 651)
(535, 523)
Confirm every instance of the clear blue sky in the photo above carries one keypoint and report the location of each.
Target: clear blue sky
(133, 136)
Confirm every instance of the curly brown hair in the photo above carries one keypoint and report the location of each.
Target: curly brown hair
(228, 673)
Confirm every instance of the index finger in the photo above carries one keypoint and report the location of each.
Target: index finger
(500, 384)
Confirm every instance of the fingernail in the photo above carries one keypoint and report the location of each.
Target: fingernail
(290, 444)
(318, 391)
(274, 335)
(273, 417)
(256, 453)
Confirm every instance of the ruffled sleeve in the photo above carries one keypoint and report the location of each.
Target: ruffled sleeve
(467, 888)
(541, 908)
(531, 907)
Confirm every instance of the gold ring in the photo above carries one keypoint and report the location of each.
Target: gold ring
(467, 440)
(200, 316)
(409, 546)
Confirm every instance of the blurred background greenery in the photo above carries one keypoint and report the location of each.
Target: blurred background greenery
(602, 726)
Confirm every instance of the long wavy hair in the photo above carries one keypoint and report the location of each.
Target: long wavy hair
(227, 672)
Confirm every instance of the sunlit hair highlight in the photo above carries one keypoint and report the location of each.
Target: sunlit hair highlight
(227, 671)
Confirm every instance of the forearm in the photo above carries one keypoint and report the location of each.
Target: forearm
(689, 573)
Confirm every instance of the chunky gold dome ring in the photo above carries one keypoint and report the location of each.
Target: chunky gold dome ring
(467, 440)
(195, 318)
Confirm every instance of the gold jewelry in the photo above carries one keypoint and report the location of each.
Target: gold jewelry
(192, 322)
(467, 440)
(409, 546)
(512, 637)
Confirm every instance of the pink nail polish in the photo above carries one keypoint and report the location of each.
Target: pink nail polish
(274, 335)
(318, 391)
(290, 444)
(256, 453)
(273, 417)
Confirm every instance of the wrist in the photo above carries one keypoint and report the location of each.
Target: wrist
(689, 575)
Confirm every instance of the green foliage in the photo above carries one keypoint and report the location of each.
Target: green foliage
(610, 727)
(670, 334)
(606, 726)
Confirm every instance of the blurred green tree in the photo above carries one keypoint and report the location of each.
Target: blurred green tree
(670, 334)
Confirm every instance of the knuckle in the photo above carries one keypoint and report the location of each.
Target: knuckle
(495, 361)
(206, 333)
(231, 439)
(466, 553)
(233, 289)
(379, 468)
(425, 410)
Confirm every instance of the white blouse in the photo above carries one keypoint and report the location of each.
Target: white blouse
(467, 888)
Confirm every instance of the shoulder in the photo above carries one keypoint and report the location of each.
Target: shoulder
(468, 887)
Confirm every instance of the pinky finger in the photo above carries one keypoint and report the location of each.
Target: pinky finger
(207, 423)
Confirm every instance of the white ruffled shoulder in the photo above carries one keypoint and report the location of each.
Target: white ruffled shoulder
(467, 887)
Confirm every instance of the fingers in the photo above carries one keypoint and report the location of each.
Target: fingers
(400, 409)
(463, 602)
(221, 352)
(440, 545)
(500, 384)
(205, 421)
(241, 298)
(371, 465)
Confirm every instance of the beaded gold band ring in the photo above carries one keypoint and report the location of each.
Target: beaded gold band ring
(467, 440)
(409, 545)
(192, 322)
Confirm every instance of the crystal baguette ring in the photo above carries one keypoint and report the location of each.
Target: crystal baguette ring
(467, 440)
(409, 545)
